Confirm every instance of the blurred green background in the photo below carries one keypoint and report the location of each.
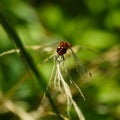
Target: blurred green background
(91, 23)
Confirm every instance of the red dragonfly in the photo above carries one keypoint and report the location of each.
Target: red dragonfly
(62, 49)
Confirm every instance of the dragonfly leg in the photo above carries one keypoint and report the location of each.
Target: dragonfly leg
(62, 58)
(59, 58)
(56, 57)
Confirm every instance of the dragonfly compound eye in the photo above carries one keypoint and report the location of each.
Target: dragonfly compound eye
(61, 50)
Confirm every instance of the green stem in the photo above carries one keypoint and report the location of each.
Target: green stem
(28, 59)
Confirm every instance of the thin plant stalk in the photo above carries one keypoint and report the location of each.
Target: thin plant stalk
(27, 58)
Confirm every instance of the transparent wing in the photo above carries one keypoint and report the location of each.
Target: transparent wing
(33, 49)
(37, 49)
(80, 68)
(72, 81)
(43, 53)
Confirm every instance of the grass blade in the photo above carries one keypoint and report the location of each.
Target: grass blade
(27, 58)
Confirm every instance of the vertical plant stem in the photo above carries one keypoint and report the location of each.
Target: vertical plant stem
(27, 58)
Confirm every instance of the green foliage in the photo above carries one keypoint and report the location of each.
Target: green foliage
(93, 25)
